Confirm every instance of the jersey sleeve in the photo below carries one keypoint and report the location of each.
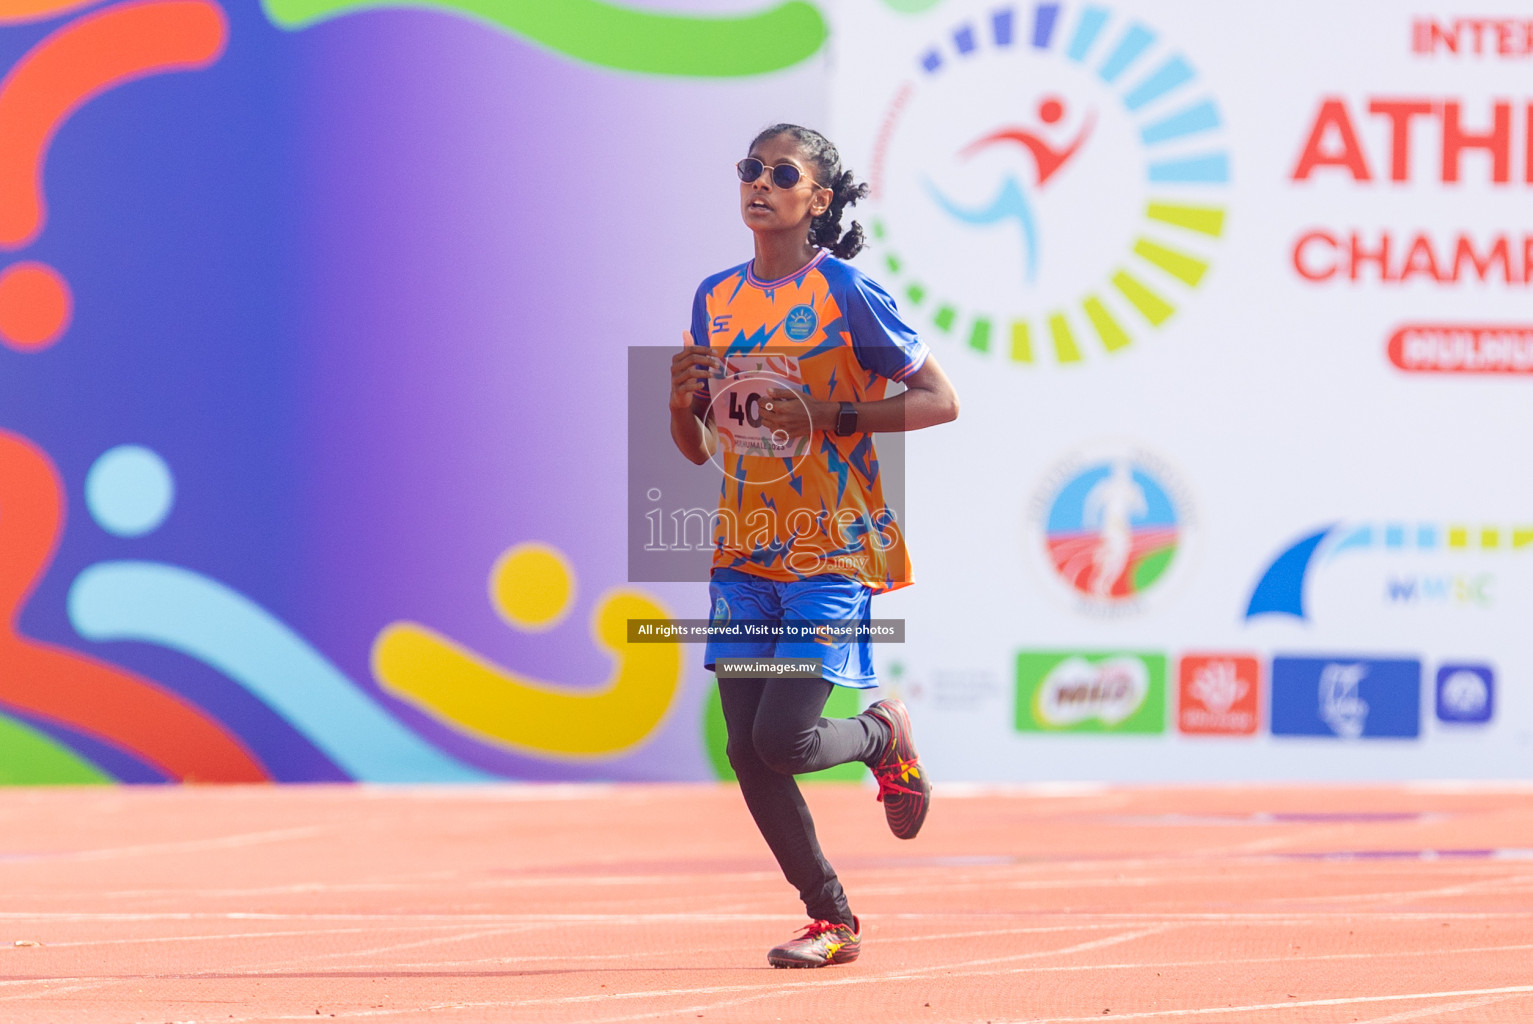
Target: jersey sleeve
(883, 343)
(699, 331)
(700, 315)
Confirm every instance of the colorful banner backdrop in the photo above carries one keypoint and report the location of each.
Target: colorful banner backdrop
(315, 333)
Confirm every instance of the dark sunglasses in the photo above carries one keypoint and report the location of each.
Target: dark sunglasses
(783, 175)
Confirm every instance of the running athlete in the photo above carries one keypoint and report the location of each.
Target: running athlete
(783, 377)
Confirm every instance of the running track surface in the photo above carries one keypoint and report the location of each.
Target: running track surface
(630, 903)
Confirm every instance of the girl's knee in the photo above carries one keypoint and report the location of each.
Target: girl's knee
(741, 751)
(782, 750)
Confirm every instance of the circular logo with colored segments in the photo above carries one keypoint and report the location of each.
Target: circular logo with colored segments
(1111, 527)
(1048, 183)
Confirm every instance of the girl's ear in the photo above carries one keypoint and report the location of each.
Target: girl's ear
(820, 203)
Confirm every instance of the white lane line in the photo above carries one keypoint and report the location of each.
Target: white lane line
(1031, 969)
(993, 932)
(1304, 918)
(236, 936)
(754, 991)
(303, 962)
(768, 992)
(88, 983)
(478, 918)
(1291, 1005)
(16, 982)
(1222, 961)
(441, 880)
(1465, 889)
(1082, 920)
(1436, 1011)
(186, 846)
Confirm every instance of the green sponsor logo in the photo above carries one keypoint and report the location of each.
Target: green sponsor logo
(1071, 691)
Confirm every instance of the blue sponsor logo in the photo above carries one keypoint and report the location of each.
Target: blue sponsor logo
(720, 612)
(1283, 584)
(1346, 698)
(1466, 694)
(721, 323)
(800, 322)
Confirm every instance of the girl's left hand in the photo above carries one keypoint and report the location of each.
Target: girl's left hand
(794, 413)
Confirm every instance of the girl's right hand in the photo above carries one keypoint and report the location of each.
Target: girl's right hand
(690, 370)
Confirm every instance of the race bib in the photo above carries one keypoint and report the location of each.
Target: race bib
(738, 394)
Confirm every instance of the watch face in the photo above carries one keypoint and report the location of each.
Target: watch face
(846, 420)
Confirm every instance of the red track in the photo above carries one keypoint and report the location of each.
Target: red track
(658, 903)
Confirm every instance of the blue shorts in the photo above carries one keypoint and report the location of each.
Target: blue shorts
(736, 595)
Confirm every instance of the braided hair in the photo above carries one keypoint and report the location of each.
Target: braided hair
(825, 230)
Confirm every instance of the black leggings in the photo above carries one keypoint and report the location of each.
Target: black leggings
(776, 732)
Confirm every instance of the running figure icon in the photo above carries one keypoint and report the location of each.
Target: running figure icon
(1112, 504)
(1011, 202)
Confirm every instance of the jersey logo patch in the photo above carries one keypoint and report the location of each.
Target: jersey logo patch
(721, 323)
(800, 322)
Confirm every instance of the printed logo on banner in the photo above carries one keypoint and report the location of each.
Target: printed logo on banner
(1466, 693)
(1082, 692)
(1111, 524)
(1447, 580)
(1218, 694)
(1074, 159)
(1346, 698)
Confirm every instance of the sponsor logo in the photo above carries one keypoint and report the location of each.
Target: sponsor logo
(721, 323)
(1462, 591)
(1282, 586)
(720, 613)
(1112, 526)
(800, 322)
(1074, 156)
(1346, 698)
(1466, 694)
(1080, 692)
(1218, 694)
(1446, 348)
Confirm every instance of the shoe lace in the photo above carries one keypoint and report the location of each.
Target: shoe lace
(814, 929)
(890, 776)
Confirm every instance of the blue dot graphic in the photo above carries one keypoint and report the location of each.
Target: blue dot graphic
(129, 490)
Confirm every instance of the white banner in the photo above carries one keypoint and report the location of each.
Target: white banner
(1237, 302)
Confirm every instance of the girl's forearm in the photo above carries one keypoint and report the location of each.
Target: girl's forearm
(913, 409)
(691, 436)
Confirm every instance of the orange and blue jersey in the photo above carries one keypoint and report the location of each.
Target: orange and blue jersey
(822, 512)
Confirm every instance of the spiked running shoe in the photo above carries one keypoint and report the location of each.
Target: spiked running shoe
(903, 787)
(820, 945)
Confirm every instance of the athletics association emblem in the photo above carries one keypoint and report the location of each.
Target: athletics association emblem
(1047, 181)
(1111, 527)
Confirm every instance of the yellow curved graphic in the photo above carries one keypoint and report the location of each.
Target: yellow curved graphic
(531, 587)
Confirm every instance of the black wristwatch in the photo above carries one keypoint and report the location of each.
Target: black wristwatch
(846, 419)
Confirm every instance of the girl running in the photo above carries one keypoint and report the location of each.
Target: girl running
(783, 376)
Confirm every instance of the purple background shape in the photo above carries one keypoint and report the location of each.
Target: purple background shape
(368, 288)
(487, 227)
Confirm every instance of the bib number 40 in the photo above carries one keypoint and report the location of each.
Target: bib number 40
(748, 413)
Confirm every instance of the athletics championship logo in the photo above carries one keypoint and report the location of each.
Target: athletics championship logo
(1111, 526)
(1048, 181)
